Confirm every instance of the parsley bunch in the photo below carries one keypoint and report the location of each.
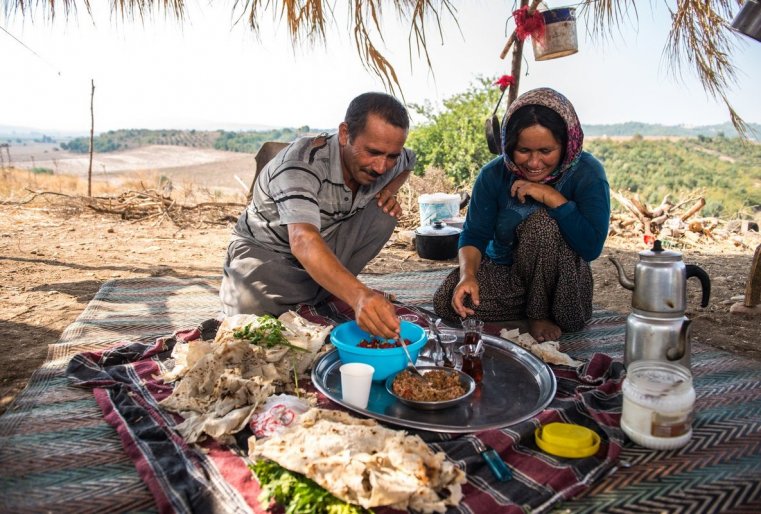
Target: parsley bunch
(296, 493)
(268, 334)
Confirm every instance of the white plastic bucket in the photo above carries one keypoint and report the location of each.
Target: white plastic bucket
(438, 207)
(559, 35)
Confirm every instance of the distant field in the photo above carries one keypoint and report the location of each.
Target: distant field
(213, 169)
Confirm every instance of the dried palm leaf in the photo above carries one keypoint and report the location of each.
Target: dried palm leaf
(699, 36)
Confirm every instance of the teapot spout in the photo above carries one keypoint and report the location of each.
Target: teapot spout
(625, 281)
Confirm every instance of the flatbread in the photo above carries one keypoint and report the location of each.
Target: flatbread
(362, 462)
(548, 351)
(221, 383)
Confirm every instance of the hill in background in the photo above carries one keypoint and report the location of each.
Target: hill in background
(250, 140)
(712, 162)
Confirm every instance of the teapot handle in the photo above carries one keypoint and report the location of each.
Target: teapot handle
(705, 281)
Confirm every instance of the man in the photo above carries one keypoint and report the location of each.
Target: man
(321, 210)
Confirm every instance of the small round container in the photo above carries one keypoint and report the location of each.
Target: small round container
(386, 361)
(658, 403)
(567, 440)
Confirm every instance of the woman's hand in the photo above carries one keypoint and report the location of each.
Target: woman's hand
(542, 193)
(387, 202)
(467, 286)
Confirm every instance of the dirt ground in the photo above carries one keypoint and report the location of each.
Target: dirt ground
(54, 260)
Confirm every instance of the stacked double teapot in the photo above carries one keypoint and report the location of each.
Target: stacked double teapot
(657, 328)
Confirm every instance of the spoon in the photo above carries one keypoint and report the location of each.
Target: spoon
(410, 364)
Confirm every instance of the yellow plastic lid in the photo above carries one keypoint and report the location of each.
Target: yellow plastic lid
(567, 440)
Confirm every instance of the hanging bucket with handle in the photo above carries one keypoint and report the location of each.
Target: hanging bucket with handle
(559, 35)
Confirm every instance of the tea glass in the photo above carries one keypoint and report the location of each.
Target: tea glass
(472, 360)
(450, 358)
(473, 328)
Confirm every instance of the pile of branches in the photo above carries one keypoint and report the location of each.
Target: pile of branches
(677, 222)
(151, 204)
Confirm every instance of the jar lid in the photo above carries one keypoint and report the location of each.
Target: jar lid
(567, 440)
(438, 228)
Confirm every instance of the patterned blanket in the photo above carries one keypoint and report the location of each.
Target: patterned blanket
(57, 453)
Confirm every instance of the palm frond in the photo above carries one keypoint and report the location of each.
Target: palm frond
(699, 37)
(699, 34)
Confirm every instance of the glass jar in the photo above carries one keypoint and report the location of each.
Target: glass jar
(658, 404)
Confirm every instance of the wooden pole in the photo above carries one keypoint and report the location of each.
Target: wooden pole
(92, 133)
(516, 69)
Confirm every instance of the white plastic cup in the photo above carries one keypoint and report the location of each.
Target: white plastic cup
(356, 379)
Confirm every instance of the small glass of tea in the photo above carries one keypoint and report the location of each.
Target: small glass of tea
(473, 329)
(472, 360)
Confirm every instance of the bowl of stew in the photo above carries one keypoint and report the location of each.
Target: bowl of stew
(439, 388)
(386, 356)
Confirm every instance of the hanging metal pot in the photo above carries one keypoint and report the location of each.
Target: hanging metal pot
(493, 136)
(748, 20)
(493, 129)
(437, 242)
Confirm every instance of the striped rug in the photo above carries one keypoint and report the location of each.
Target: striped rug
(57, 454)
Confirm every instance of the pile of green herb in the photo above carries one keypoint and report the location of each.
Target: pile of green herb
(268, 333)
(296, 493)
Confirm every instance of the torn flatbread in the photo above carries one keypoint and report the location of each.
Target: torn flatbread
(223, 382)
(548, 351)
(362, 462)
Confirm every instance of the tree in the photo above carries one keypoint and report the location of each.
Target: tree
(452, 138)
(699, 35)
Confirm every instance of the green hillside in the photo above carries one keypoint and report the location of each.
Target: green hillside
(247, 141)
(726, 171)
(634, 128)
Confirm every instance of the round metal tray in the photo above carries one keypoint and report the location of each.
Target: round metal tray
(516, 386)
(465, 380)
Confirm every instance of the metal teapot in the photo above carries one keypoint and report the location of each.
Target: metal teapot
(657, 328)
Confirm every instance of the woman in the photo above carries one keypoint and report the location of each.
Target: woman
(538, 215)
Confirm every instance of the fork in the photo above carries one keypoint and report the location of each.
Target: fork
(498, 467)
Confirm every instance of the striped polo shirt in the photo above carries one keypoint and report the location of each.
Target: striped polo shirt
(304, 183)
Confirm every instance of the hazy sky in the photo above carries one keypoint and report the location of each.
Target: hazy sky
(208, 73)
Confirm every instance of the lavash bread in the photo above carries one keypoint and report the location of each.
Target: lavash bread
(221, 383)
(362, 462)
(548, 351)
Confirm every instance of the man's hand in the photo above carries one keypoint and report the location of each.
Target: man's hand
(387, 202)
(373, 312)
(376, 315)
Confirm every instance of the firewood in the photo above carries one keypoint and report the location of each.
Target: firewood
(694, 209)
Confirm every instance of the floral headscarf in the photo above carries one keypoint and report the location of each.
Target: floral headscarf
(551, 99)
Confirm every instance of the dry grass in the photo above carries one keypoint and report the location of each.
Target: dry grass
(18, 185)
(69, 193)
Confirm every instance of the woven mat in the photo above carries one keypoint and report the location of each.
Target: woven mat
(58, 454)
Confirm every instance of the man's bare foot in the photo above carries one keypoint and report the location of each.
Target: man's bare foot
(543, 330)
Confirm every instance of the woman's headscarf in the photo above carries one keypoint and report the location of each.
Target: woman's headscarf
(551, 99)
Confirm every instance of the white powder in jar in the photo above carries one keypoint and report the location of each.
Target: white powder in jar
(658, 404)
